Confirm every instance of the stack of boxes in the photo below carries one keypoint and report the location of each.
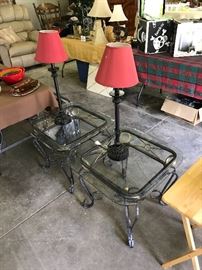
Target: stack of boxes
(157, 34)
(180, 37)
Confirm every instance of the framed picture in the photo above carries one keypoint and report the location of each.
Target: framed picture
(188, 39)
(150, 9)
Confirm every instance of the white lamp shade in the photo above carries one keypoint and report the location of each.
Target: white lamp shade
(100, 9)
(118, 14)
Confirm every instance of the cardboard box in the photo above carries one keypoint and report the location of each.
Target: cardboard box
(154, 36)
(187, 38)
(185, 112)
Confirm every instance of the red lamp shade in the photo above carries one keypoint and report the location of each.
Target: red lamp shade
(50, 49)
(117, 68)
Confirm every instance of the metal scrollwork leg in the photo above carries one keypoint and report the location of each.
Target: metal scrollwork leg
(156, 194)
(70, 177)
(172, 179)
(86, 204)
(63, 66)
(42, 152)
(131, 224)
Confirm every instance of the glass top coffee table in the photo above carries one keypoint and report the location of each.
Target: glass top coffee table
(127, 182)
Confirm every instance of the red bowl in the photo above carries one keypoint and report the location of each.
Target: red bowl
(12, 75)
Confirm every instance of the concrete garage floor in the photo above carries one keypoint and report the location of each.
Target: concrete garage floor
(43, 227)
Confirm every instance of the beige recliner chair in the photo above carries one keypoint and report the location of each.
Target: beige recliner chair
(17, 36)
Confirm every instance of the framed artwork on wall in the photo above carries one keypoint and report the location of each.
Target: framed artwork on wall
(150, 9)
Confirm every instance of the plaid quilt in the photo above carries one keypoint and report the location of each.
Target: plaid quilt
(182, 75)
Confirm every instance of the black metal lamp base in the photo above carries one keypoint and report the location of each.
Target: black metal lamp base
(62, 118)
(118, 152)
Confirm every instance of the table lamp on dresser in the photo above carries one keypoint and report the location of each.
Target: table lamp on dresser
(100, 9)
(117, 17)
(117, 70)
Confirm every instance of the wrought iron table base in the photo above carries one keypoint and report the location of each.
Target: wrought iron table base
(49, 159)
(89, 202)
(93, 174)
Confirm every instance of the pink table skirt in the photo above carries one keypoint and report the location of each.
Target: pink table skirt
(16, 109)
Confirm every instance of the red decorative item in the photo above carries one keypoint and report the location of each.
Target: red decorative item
(50, 49)
(117, 68)
(12, 75)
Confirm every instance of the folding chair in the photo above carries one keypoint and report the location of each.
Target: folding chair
(185, 196)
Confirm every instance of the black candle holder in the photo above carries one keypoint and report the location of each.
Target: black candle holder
(117, 151)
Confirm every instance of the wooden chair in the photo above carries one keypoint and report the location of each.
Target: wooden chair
(5, 2)
(185, 196)
(49, 15)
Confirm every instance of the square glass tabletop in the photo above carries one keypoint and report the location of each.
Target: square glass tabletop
(84, 125)
(131, 180)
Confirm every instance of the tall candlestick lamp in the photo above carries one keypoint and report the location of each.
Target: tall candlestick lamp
(118, 70)
(50, 50)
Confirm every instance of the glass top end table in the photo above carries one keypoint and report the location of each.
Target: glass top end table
(58, 143)
(127, 182)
